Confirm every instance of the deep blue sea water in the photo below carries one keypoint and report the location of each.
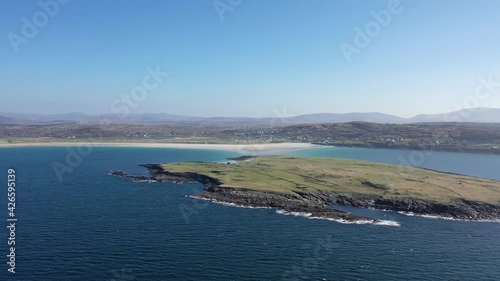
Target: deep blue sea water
(91, 226)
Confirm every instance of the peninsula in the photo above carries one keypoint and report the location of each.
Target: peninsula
(312, 185)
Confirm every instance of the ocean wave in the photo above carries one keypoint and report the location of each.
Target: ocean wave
(146, 181)
(427, 216)
(387, 223)
(343, 221)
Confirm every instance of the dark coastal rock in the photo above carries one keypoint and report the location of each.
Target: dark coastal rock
(161, 175)
(287, 202)
(242, 158)
(458, 209)
(134, 178)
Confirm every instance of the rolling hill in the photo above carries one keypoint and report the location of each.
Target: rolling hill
(484, 115)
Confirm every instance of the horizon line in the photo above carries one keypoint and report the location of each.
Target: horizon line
(3, 113)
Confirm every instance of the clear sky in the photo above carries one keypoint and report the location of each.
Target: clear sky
(247, 58)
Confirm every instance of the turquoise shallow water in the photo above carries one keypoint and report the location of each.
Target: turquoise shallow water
(92, 226)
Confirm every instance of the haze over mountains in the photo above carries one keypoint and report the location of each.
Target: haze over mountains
(487, 115)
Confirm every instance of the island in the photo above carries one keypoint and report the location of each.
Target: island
(314, 186)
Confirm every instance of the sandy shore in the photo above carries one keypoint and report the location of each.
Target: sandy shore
(248, 148)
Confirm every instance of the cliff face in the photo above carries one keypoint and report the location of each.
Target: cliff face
(317, 203)
(288, 202)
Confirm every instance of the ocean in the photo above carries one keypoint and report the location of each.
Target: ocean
(82, 224)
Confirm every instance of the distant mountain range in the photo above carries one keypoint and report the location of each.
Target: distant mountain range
(486, 115)
(6, 120)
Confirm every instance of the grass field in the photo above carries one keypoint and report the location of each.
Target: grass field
(292, 174)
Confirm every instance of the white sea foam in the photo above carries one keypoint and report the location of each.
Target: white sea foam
(427, 216)
(147, 181)
(495, 221)
(300, 214)
(309, 216)
(387, 223)
(295, 214)
(412, 214)
(227, 203)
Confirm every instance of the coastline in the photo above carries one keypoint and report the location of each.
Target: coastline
(244, 148)
(218, 187)
(315, 205)
(289, 203)
(267, 147)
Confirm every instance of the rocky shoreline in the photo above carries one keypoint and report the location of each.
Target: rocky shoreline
(318, 204)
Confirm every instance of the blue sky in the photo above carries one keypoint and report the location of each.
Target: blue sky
(261, 58)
